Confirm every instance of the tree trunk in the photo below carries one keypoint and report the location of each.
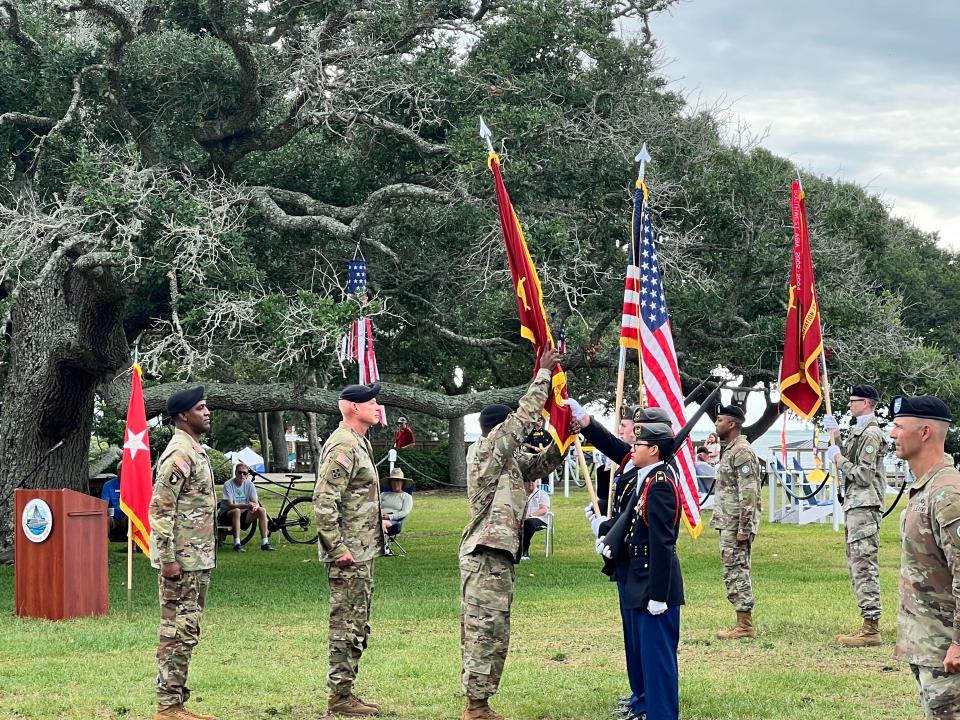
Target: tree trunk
(457, 452)
(278, 442)
(264, 439)
(314, 439)
(65, 339)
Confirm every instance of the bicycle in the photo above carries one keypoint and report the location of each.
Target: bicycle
(295, 518)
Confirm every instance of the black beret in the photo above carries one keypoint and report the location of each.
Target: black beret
(868, 392)
(926, 407)
(651, 415)
(360, 393)
(651, 431)
(183, 400)
(493, 415)
(731, 411)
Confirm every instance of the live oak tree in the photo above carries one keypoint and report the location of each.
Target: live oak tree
(187, 180)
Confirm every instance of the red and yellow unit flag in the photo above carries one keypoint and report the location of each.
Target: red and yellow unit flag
(533, 317)
(803, 344)
(136, 486)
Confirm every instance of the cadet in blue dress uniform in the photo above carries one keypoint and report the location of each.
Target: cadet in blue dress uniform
(647, 568)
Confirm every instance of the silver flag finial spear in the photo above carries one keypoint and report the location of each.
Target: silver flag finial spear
(642, 157)
(486, 134)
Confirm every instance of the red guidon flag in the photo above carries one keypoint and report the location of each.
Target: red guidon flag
(800, 371)
(533, 317)
(136, 487)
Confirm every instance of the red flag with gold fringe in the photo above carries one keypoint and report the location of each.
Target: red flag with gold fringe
(800, 370)
(533, 317)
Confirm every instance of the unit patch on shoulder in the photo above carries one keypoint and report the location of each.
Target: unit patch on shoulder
(745, 469)
(868, 449)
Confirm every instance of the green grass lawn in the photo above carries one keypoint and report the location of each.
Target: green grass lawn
(264, 644)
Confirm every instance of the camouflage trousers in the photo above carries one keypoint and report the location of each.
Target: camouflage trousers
(181, 605)
(351, 594)
(939, 692)
(486, 593)
(736, 569)
(862, 528)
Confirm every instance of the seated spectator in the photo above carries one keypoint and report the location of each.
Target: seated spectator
(404, 436)
(538, 505)
(118, 520)
(705, 471)
(395, 504)
(538, 439)
(240, 507)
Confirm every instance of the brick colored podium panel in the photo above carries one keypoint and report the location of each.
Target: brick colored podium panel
(64, 576)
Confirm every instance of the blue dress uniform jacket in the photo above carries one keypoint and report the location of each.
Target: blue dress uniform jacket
(618, 451)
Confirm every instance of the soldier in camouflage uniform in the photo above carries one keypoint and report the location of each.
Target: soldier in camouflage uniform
(864, 483)
(928, 623)
(490, 547)
(736, 515)
(182, 548)
(346, 500)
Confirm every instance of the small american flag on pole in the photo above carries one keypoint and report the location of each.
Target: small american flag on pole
(646, 326)
(357, 344)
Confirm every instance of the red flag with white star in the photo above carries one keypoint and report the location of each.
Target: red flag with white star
(136, 486)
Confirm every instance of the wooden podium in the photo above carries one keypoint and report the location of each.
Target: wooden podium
(63, 575)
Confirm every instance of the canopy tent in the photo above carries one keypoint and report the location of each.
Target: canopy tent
(248, 457)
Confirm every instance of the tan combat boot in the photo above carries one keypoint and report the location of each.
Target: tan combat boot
(172, 712)
(350, 706)
(867, 636)
(743, 628)
(480, 710)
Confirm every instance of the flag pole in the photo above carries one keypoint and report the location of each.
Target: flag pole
(642, 157)
(621, 371)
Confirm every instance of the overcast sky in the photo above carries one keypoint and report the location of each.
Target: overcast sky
(860, 90)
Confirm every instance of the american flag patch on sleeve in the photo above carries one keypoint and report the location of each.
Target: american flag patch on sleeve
(343, 460)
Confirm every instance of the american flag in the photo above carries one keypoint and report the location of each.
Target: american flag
(562, 340)
(357, 344)
(646, 327)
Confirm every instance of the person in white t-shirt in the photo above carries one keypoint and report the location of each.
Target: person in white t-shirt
(538, 505)
(240, 507)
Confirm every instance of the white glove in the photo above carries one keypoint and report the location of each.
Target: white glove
(577, 409)
(595, 523)
(655, 607)
(830, 423)
(588, 511)
(832, 453)
(604, 549)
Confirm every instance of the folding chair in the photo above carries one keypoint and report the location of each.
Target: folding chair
(393, 545)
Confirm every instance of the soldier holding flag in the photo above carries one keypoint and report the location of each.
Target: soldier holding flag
(864, 483)
(490, 547)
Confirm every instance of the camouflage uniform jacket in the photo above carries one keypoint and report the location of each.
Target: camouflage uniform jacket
(929, 616)
(346, 498)
(738, 488)
(183, 507)
(864, 481)
(496, 470)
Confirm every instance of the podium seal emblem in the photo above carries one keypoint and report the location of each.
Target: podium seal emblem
(36, 521)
